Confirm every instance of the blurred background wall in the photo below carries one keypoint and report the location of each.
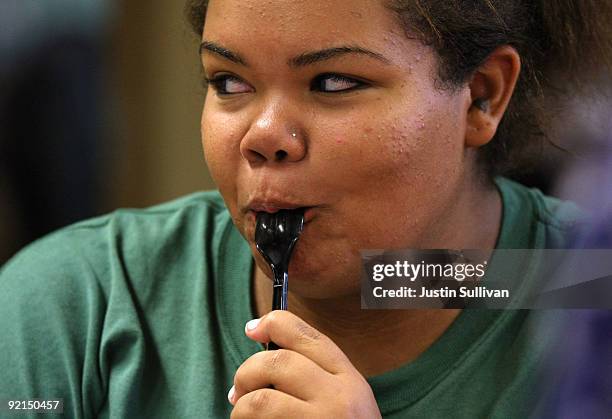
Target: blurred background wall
(100, 103)
(158, 82)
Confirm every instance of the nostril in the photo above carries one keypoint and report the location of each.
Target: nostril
(280, 155)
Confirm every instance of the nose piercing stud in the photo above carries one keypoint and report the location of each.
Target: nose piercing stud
(293, 135)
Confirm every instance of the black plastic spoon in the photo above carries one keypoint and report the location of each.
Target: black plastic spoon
(275, 237)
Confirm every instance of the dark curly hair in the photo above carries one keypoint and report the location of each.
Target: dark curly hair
(564, 46)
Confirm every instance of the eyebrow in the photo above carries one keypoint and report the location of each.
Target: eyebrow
(301, 60)
(222, 51)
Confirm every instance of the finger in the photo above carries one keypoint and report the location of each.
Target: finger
(269, 403)
(288, 371)
(290, 332)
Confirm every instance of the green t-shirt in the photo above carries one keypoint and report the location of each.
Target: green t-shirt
(141, 313)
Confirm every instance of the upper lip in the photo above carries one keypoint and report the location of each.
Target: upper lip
(271, 205)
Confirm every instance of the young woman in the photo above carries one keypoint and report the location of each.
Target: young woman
(389, 122)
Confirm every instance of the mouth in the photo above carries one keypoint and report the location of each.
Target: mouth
(308, 212)
(256, 207)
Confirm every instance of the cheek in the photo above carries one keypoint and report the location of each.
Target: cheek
(426, 144)
(382, 144)
(220, 147)
(404, 165)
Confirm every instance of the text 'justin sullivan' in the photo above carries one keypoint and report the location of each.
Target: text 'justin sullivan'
(445, 292)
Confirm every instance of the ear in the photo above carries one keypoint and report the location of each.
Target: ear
(491, 88)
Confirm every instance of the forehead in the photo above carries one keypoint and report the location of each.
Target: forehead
(292, 26)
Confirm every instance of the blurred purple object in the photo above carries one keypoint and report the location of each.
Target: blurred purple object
(581, 373)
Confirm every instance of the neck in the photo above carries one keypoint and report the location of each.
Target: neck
(377, 341)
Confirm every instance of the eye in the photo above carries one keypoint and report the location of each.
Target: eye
(333, 83)
(226, 84)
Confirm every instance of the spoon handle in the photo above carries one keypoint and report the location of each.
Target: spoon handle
(279, 299)
(279, 292)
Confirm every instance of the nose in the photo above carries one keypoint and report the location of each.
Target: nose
(274, 136)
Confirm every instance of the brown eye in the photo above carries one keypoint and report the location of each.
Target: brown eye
(229, 85)
(332, 83)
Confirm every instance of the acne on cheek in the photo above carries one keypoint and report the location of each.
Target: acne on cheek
(220, 135)
(367, 133)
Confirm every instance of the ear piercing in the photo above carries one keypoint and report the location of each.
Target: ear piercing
(481, 103)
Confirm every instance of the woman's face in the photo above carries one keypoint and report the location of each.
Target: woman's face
(327, 104)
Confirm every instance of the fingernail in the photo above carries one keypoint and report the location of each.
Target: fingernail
(252, 324)
(230, 394)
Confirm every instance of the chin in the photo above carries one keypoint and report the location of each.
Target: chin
(331, 277)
